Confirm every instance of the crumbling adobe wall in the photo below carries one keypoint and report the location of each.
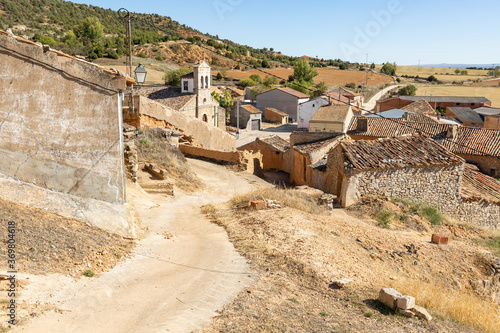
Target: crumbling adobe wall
(56, 131)
(203, 134)
(247, 160)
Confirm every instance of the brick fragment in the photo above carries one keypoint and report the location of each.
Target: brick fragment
(258, 204)
(440, 239)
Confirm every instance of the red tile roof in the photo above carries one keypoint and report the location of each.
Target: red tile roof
(275, 142)
(475, 141)
(331, 113)
(421, 107)
(250, 108)
(383, 128)
(292, 92)
(477, 185)
(396, 153)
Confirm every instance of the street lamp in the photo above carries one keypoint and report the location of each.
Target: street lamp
(140, 74)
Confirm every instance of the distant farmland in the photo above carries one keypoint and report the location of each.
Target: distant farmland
(443, 74)
(491, 93)
(331, 76)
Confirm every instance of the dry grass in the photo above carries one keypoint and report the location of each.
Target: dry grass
(492, 93)
(462, 306)
(428, 71)
(285, 197)
(153, 148)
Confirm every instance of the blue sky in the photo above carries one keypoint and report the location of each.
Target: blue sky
(401, 31)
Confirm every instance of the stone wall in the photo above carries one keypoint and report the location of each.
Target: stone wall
(475, 212)
(202, 134)
(130, 153)
(246, 160)
(57, 131)
(438, 185)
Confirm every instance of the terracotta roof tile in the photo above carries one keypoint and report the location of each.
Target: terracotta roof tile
(420, 107)
(250, 108)
(419, 118)
(332, 113)
(310, 147)
(477, 185)
(382, 127)
(168, 96)
(475, 141)
(289, 91)
(275, 142)
(396, 153)
(278, 112)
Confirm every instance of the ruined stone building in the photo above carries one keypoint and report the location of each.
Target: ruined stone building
(414, 168)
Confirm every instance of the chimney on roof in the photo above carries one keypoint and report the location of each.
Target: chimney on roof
(452, 132)
(362, 124)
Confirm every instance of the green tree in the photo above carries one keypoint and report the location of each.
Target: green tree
(409, 90)
(464, 72)
(372, 66)
(320, 89)
(247, 83)
(173, 78)
(432, 78)
(256, 78)
(225, 101)
(495, 72)
(219, 77)
(91, 28)
(269, 81)
(265, 63)
(389, 69)
(457, 71)
(303, 72)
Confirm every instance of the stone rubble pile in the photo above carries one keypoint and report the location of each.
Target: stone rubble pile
(130, 152)
(404, 305)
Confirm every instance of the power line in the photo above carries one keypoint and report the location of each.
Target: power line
(339, 99)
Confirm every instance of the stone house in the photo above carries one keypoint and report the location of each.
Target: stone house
(192, 98)
(61, 123)
(492, 122)
(477, 146)
(285, 99)
(413, 167)
(275, 116)
(331, 118)
(466, 116)
(307, 110)
(275, 152)
(434, 101)
(304, 155)
(250, 118)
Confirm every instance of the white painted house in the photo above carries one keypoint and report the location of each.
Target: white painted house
(307, 110)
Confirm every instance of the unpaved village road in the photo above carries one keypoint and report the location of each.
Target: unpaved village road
(169, 285)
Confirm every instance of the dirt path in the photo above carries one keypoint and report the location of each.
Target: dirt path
(171, 284)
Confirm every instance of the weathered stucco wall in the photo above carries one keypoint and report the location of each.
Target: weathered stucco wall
(56, 131)
(271, 159)
(203, 134)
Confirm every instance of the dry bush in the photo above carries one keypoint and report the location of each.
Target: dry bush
(462, 306)
(285, 197)
(152, 147)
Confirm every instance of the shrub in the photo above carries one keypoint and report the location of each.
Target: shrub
(246, 83)
(383, 217)
(409, 90)
(88, 273)
(158, 58)
(142, 55)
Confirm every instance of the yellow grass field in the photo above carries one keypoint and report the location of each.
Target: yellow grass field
(442, 74)
(491, 93)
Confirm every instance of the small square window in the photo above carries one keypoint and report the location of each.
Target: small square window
(472, 104)
(458, 104)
